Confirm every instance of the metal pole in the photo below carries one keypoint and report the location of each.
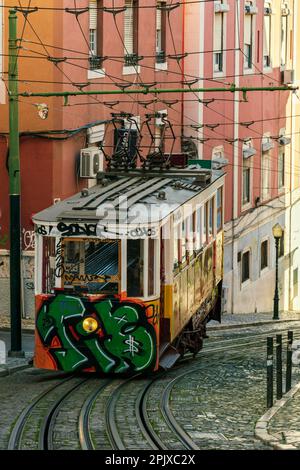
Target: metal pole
(147, 90)
(276, 295)
(278, 367)
(14, 191)
(269, 372)
(289, 354)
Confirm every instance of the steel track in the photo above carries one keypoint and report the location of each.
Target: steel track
(17, 431)
(85, 438)
(47, 428)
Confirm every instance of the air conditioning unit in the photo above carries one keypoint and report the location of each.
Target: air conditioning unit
(91, 162)
(251, 10)
(288, 77)
(221, 8)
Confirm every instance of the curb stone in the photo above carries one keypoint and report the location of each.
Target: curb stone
(246, 325)
(261, 428)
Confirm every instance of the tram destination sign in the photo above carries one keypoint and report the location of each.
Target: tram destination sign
(63, 230)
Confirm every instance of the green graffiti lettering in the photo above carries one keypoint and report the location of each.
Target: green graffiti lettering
(121, 340)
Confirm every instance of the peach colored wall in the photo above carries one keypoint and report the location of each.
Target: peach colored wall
(48, 167)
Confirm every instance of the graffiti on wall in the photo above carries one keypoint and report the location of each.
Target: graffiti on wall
(108, 335)
(28, 239)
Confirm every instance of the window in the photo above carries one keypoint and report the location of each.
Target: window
(205, 217)
(219, 209)
(246, 182)
(161, 32)
(131, 32)
(96, 34)
(151, 266)
(284, 33)
(281, 168)
(135, 268)
(281, 246)
(267, 146)
(211, 218)
(183, 242)
(264, 255)
(248, 36)
(246, 266)
(267, 34)
(86, 265)
(198, 234)
(219, 41)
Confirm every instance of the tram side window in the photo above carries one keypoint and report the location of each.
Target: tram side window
(135, 268)
(219, 209)
(205, 217)
(211, 218)
(190, 235)
(48, 270)
(151, 266)
(183, 241)
(197, 244)
(177, 244)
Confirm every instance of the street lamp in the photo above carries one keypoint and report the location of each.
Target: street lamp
(277, 234)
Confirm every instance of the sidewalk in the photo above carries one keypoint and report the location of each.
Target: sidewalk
(27, 324)
(280, 426)
(15, 365)
(244, 320)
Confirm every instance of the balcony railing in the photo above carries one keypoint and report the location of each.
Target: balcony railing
(131, 60)
(160, 57)
(95, 62)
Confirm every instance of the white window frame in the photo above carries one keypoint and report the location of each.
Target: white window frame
(93, 26)
(252, 15)
(268, 66)
(221, 8)
(284, 41)
(266, 155)
(249, 162)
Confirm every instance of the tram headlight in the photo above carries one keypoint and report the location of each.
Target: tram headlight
(90, 325)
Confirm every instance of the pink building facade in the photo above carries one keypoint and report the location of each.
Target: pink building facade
(101, 45)
(251, 44)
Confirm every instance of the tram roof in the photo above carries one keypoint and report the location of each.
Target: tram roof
(163, 193)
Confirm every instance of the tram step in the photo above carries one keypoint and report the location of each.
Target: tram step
(168, 358)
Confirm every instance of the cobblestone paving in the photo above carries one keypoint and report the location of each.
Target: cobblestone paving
(285, 425)
(17, 391)
(217, 403)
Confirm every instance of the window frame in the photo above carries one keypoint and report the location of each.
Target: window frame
(267, 59)
(131, 54)
(246, 281)
(265, 242)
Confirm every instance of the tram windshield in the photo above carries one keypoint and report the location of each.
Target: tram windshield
(86, 265)
(92, 265)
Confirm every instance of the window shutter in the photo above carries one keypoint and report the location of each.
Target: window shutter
(218, 32)
(248, 29)
(267, 23)
(158, 17)
(128, 27)
(93, 14)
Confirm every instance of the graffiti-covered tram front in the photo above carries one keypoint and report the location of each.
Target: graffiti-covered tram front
(128, 273)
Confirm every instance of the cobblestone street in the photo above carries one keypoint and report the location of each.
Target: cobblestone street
(214, 401)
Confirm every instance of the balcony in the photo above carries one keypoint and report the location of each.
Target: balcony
(160, 57)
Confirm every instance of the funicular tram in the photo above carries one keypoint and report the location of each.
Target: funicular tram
(129, 272)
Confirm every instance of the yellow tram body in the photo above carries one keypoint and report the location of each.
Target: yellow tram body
(129, 272)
